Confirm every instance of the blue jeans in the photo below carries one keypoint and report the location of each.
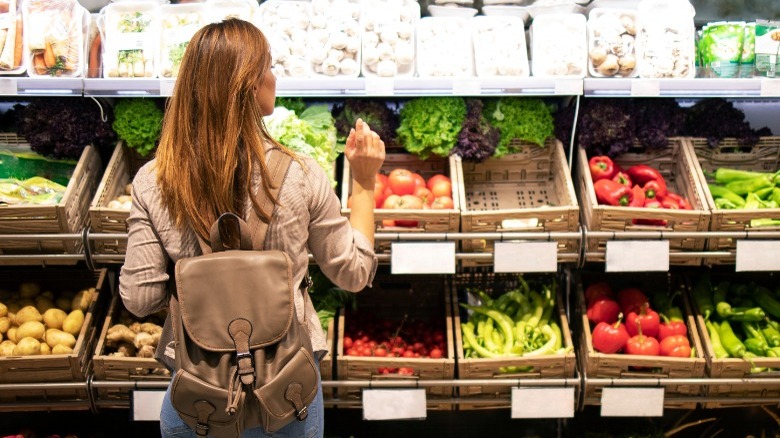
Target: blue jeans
(172, 426)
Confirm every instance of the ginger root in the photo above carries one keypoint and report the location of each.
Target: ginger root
(119, 333)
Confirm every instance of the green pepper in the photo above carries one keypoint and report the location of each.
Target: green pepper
(504, 324)
(468, 335)
(702, 296)
(765, 222)
(765, 193)
(725, 175)
(664, 304)
(775, 196)
(720, 192)
(752, 202)
(764, 299)
(756, 346)
(730, 341)
(750, 186)
(717, 345)
(549, 346)
(772, 335)
(747, 314)
(773, 352)
(749, 356)
(725, 204)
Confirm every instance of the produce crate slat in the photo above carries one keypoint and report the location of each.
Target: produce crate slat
(679, 170)
(530, 190)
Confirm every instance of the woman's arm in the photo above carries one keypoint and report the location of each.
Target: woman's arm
(366, 153)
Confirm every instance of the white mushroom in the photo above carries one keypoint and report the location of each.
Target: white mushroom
(349, 67)
(609, 67)
(370, 56)
(404, 54)
(297, 68)
(317, 56)
(338, 55)
(338, 40)
(353, 45)
(387, 69)
(331, 66)
(370, 39)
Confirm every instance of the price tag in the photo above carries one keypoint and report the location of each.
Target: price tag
(645, 87)
(569, 87)
(166, 87)
(632, 402)
(147, 405)
(466, 86)
(422, 258)
(394, 404)
(382, 86)
(558, 403)
(770, 87)
(525, 257)
(637, 256)
(758, 255)
(8, 87)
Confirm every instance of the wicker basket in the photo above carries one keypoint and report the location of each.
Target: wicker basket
(544, 367)
(429, 220)
(71, 367)
(763, 157)
(69, 216)
(327, 366)
(419, 297)
(681, 176)
(530, 190)
(619, 365)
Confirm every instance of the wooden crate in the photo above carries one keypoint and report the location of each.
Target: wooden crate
(431, 221)
(327, 365)
(530, 190)
(736, 367)
(72, 367)
(763, 157)
(417, 297)
(544, 367)
(69, 216)
(619, 365)
(680, 174)
(106, 367)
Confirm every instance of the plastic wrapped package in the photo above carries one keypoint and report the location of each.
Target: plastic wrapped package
(286, 25)
(612, 43)
(443, 48)
(388, 48)
(665, 39)
(334, 38)
(499, 46)
(720, 48)
(218, 10)
(54, 37)
(767, 47)
(543, 7)
(559, 45)
(130, 36)
(178, 24)
(11, 38)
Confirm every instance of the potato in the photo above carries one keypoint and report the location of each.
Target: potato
(63, 303)
(72, 323)
(31, 329)
(53, 318)
(28, 313)
(5, 324)
(56, 337)
(61, 349)
(43, 304)
(12, 319)
(7, 348)
(3, 310)
(29, 290)
(83, 299)
(27, 347)
(45, 349)
(11, 334)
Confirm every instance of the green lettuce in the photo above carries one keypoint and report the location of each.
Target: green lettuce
(430, 125)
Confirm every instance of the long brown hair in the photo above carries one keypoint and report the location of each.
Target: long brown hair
(213, 134)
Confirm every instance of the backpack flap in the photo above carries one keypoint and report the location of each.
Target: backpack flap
(217, 288)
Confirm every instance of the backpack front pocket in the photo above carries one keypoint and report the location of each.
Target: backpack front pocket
(194, 398)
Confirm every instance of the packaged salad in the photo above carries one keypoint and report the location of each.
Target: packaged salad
(179, 24)
(54, 37)
(130, 38)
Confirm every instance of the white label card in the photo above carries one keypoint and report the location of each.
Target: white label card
(632, 402)
(8, 86)
(637, 255)
(645, 87)
(525, 257)
(383, 86)
(147, 405)
(166, 87)
(758, 255)
(558, 403)
(466, 86)
(394, 404)
(770, 87)
(568, 87)
(422, 258)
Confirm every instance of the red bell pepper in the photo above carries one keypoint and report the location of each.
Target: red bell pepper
(668, 203)
(654, 189)
(651, 203)
(611, 193)
(603, 310)
(675, 346)
(646, 320)
(622, 178)
(601, 167)
(681, 201)
(641, 174)
(631, 300)
(643, 344)
(610, 338)
(671, 328)
(639, 197)
(598, 290)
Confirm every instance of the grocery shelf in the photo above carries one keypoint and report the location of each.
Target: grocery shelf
(43, 258)
(127, 87)
(695, 87)
(35, 86)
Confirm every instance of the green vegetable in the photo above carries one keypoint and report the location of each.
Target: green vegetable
(702, 296)
(764, 299)
(519, 118)
(730, 341)
(750, 186)
(138, 122)
(720, 192)
(772, 335)
(430, 125)
(725, 175)
(717, 345)
(756, 346)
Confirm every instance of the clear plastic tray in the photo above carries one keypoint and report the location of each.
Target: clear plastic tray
(559, 45)
(55, 28)
(130, 39)
(218, 10)
(179, 23)
(507, 11)
(286, 24)
(612, 43)
(388, 44)
(665, 39)
(334, 38)
(443, 48)
(499, 46)
(11, 47)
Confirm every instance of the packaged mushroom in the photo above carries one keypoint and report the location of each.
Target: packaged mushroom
(179, 24)
(558, 45)
(665, 39)
(499, 46)
(388, 27)
(443, 48)
(334, 38)
(286, 25)
(130, 36)
(612, 43)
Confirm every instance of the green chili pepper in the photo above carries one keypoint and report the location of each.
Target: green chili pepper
(730, 341)
(773, 352)
(725, 175)
(720, 192)
(749, 356)
(504, 324)
(748, 314)
(702, 296)
(764, 299)
(548, 347)
(468, 335)
(772, 335)
(717, 346)
(765, 193)
(756, 346)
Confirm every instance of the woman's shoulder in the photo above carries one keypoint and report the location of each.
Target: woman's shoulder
(146, 178)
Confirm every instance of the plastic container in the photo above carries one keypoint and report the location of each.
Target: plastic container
(499, 46)
(544, 7)
(63, 24)
(334, 38)
(612, 43)
(11, 44)
(451, 11)
(720, 48)
(558, 45)
(444, 49)
(130, 38)
(286, 25)
(178, 24)
(218, 10)
(665, 39)
(388, 28)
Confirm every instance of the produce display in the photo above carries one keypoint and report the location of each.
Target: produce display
(499, 46)
(35, 190)
(443, 48)
(378, 114)
(430, 125)
(720, 48)
(334, 38)
(11, 38)
(179, 24)
(559, 45)
(327, 299)
(129, 337)
(138, 122)
(478, 139)
(123, 202)
(523, 119)
(612, 43)
(130, 39)
(735, 189)
(388, 43)
(665, 39)
(286, 25)
(38, 322)
(55, 44)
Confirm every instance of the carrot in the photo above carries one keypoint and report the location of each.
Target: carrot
(48, 56)
(39, 65)
(19, 46)
(94, 58)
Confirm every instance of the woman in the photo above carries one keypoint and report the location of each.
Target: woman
(212, 159)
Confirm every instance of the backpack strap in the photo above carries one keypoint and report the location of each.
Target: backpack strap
(278, 164)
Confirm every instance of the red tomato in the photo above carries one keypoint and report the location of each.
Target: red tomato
(379, 193)
(419, 181)
(391, 201)
(382, 177)
(441, 188)
(347, 342)
(443, 203)
(408, 202)
(434, 179)
(380, 352)
(406, 371)
(388, 223)
(408, 353)
(353, 352)
(435, 354)
(401, 181)
(424, 194)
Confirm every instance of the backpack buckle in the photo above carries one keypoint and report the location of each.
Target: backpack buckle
(302, 414)
(243, 355)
